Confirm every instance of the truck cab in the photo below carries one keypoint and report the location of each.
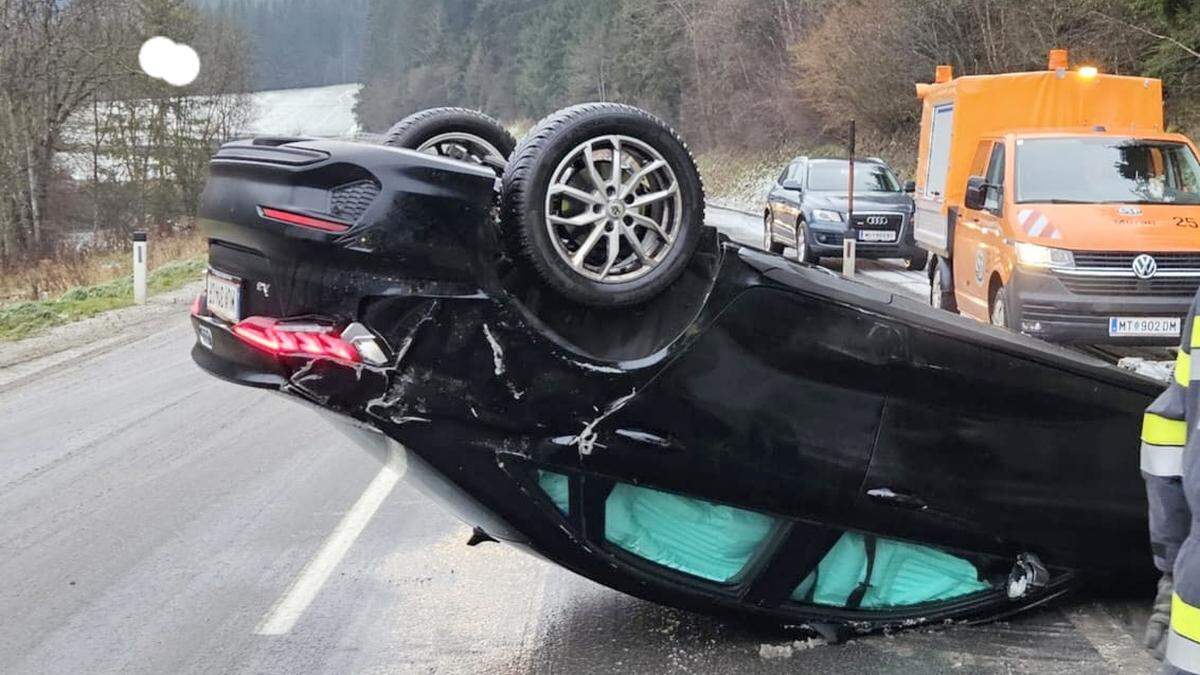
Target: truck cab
(1069, 215)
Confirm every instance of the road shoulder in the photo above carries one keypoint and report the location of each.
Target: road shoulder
(67, 343)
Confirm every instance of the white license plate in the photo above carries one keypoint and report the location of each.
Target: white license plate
(876, 235)
(1144, 326)
(224, 297)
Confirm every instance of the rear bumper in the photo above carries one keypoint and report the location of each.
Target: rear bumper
(221, 354)
(1045, 308)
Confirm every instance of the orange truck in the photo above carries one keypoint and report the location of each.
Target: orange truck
(1055, 204)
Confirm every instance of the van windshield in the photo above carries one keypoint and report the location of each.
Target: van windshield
(1106, 171)
(835, 177)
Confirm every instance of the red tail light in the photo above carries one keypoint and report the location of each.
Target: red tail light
(306, 340)
(196, 304)
(303, 220)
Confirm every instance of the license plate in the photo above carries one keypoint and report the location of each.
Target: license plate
(876, 235)
(224, 296)
(1144, 326)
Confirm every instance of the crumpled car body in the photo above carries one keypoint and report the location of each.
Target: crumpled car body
(765, 438)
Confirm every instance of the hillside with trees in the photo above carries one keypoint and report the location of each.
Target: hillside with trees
(754, 74)
(75, 103)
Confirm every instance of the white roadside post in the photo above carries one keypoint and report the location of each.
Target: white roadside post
(849, 242)
(139, 267)
(848, 254)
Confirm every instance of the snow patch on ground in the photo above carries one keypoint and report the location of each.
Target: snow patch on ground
(787, 649)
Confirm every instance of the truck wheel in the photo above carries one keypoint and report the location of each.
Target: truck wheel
(941, 289)
(769, 242)
(804, 252)
(604, 202)
(1000, 312)
(458, 133)
(917, 262)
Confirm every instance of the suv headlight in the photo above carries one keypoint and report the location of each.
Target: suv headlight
(822, 214)
(1032, 255)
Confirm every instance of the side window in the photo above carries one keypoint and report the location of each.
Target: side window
(796, 172)
(995, 176)
(938, 162)
(783, 176)
(980, 161)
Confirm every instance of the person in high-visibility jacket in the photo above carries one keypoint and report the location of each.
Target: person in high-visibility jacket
(1179, 413)
(1164, 434)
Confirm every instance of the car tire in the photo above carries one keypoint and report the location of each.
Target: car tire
(458, 133)
(769, 242)
(941, 292)
(917, 262)
(1000, 310)
(559, 199)
(804, 254)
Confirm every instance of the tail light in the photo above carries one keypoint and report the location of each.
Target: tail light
(323, 224)
(308, 340)
(197, 304)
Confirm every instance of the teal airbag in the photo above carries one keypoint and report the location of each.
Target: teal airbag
(557, 487)
(707, 540)
(904, 574)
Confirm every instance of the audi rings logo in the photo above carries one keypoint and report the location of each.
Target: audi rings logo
(1145, 266)
(876, 220)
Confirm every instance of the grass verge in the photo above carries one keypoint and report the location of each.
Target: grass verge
(26, 319)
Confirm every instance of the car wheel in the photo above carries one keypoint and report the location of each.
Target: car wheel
(769, 242)
(803, 252)
(1000, 312)
(457, 133)
(917, 262)
(605, 203)
(939, 297)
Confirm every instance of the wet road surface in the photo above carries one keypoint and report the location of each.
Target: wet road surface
(154, 519)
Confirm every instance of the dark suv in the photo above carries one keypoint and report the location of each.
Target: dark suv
(807, 206)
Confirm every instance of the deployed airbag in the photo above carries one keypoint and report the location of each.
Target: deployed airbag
(707, 540)
(557, 488)
(901, 574)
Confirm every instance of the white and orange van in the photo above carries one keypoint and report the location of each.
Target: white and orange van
(1056, 205)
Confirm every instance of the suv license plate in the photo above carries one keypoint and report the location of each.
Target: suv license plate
(1144, 326)
(876, 235)
(224, 295)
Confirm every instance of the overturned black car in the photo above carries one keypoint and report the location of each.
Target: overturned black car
(573, 363)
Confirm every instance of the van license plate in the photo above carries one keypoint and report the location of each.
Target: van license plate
(1144, 326)
(876, 235)
(224, 296)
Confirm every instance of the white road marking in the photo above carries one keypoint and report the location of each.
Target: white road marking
(291, 605)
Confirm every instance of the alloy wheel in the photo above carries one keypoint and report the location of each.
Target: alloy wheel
(620, 191)
(465, 147)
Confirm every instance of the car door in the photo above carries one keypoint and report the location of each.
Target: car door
(792, 195)
(777, 205)
(979, 235)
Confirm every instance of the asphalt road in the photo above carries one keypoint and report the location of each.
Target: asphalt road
(156, 520)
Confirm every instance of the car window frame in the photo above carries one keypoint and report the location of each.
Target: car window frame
(996, 164)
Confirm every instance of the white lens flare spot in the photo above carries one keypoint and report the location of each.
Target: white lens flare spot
(164, 59)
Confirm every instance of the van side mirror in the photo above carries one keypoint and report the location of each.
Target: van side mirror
(793, 184)
(910, 186)
(977, 191)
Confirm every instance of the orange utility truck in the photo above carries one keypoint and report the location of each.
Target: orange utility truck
(1056, 205)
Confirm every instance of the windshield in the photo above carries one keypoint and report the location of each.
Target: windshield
(835, 176)
(1106, 171)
